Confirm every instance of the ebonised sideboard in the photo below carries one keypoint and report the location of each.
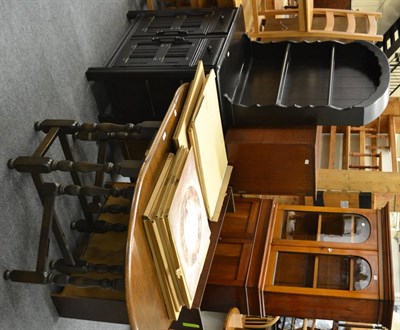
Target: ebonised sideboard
(161, 50)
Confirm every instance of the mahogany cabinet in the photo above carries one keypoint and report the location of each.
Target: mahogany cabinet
(236, 267)
(303, 261)
(329, 263)
(274, 160)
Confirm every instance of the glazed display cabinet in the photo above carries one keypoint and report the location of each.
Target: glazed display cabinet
(317, 263)
(329, 263)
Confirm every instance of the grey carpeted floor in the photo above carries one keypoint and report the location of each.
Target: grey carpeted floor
(45, 48)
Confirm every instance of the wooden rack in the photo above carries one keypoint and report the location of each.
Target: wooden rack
(309, 23)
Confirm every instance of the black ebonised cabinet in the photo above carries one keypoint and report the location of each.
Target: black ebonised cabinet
(161, 50)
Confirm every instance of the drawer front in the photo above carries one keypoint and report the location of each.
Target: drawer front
(167, 52)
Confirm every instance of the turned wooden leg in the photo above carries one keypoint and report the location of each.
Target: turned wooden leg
(23, 276)
(86, 282)
(75, 190)
(47, 165)
(83, 267)
(113, 132)
(128, 168)
(67, 126)
(63, 280)
(99, 226)
(108, 208)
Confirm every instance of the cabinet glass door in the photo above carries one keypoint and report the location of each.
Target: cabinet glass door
(325, 227)
(322, 271)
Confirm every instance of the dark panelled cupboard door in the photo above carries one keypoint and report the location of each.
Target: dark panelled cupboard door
(173, 23)
(189, 22)
(157, 51)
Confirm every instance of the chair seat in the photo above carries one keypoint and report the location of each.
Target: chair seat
(233, 320)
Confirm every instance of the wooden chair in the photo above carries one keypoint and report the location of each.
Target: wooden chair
(38, 165)
(236, 321)
(311, 24)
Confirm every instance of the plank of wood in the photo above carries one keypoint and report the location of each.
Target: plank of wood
(332, 147)
(362, 147)
(346, 148)
(392, 143)
(312, 35)
(348, 180)
(373, 25)
(351, 23)
(330, 21)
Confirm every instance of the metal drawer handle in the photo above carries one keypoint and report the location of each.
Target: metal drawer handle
(172, 33)
(176, 40)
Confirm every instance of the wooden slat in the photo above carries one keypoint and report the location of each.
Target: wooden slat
(315, 276)
(273, 12)
(348, 180)
(366, 129)
(373, 25)
(332, 147)
(330, 21)
(392, 143)
(256, 26)
(247, 14)
(343, 12)
(346, 148)
(309, 7)
(374, 143)
(313, 324)
(362, 146)
(380, 159)
(351, 23)
(351, 279)
(313, 35)
(302, 16)
(305, 321)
